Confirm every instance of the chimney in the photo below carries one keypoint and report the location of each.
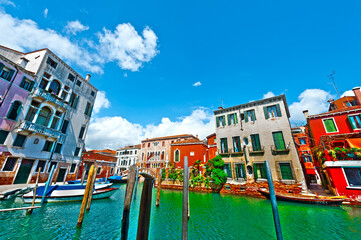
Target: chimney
(357, 93)
(197, 136)
(305, 112)
(23, 62)
(220, 108)
(87, 78)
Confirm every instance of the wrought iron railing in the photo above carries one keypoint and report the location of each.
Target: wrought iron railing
(50, 97)
(36, 128)
(281, 150)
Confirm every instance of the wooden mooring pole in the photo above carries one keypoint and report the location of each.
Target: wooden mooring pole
(159, 172)
(128, 201)
(136, 184)
(47, 184)
(185, 199)
(89, 202)
(276, 216)
(144, 211)
(83, 176)
(85, 198)
(67, 172)
(30, 210)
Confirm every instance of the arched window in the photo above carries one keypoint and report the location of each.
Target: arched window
(54, 87)
(44, 116)
(176, 156)
(162, 156)
(14, 110)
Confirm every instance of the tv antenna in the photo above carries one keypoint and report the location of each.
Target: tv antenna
(333, 82)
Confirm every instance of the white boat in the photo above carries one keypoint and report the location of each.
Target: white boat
(66, 193)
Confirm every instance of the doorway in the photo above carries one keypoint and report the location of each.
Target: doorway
(61, 175)
(24, 171)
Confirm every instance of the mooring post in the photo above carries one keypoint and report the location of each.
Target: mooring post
(34, 197)
(276, 216)
(132, 175)
(106, 176)
(47, 185)
(89, 202)
(185, 199)
(136, 183)
(85, 197)
(67, 171)
(83, 176)
(144, 210)
(188, 192)
(159, 171)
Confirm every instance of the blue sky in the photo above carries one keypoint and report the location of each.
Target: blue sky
(237, 50)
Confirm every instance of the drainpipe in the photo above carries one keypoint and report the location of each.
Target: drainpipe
(11, 83)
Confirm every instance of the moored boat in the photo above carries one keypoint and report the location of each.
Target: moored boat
(305, 199)
(117, 179)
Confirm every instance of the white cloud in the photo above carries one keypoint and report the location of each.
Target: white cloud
(115, 132)
(7, 2)
(348, 93)
(46, 12)
(73, 27)
(101, 101)
(124, 45)
(313, 100)
(197, 84)
(268, 95)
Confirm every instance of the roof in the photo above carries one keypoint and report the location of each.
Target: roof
(254, 103)
(188, 142)
(130, 147)
(341, 102)
(170, 137)
(209, 136)
(8, 61)
(337, 112)
(105, 151)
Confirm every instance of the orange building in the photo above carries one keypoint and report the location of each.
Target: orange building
(104, 159)
(194, 149)
(212, 146)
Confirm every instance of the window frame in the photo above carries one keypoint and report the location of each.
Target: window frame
(352, 116)
(280, 169)
(175, 155)
(6, 161)
(44, 168)
(7, 134)
(49, 166)
(346, 178)
(334, 122)
(23, 143)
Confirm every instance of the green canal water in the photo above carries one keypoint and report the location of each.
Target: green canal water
(212, 216)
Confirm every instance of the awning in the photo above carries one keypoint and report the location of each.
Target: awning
(311, 172)
(354, 142)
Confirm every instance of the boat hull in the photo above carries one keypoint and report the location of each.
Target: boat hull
(307, 200)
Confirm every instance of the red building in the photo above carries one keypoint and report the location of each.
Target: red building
(212, 146)
(104, 159)
(336, 145)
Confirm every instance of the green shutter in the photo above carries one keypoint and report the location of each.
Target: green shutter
(352, 123)
(235, 118)
(224, 121)
(225, 145)
(264, 170)
(31, 86)
(254, 115)
(11, 74)
(229, 119)
(245, 116)
(286, 171)
(330, 125)
(76, 102)
(23, 82)
(255, 171)
(278, 140)
(243, 171)
(217, 121)
(90, 111)
(266, 112)
(278, 109)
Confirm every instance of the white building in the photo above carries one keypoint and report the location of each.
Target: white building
(126, 157)
(52, 125)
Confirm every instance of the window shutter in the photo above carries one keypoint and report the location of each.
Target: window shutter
(11, 74)
(255, 171)
(235, 118)
(23, 82)
(90, 111)
(76, 102)
(229, 119)
(217, 121)
(31, 86)
(278, 109)
(266, 112)
(352, 123)
(225, 145)
(243, 172)
(245, 116)
(224, 120)
(1, 67)
(264, 170)
(254, 115)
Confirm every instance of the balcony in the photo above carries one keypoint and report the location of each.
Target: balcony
(236, 153)
(224, 153)
(259, 150)
(39, 129)
(280, 151)
(49, 97)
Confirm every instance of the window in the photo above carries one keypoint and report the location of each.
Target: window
(51, 62)
(307, 158)
(232, 119)
(6, 73)
(47, 75)
(92, 93)
(330, 125)
(43, 84)
(259, 170)
(191, 154)
(148, 144)
(77, 151)
(58, 148)
(99, 170)
(54, 87)
(14, 110)
(250, 115)
(163, 144)
(286, 172)
(227, 170)
(51, 166)
(236, 144)
(88, 109)
(302, 141)
(3, 136)
(71, 77)
(78, 82)
(44, 116)
(355, 121)
(353, 176)
(220, 121)
(111, 171)
(279, 141)
(240, 171)
(272, 111)
(34, 106)
(64, 127)
(81, 133)
(56, 120)
(48, 146)
(176, 156)
(10, 164)
(256, 144)
(27, 84)
(19, 140)
(224, 145)
(73, 168)
(40, 166)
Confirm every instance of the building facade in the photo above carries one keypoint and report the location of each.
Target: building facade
(51, 124)
(126, 157)
(249, 134)
(212, 146)
(105, 162)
